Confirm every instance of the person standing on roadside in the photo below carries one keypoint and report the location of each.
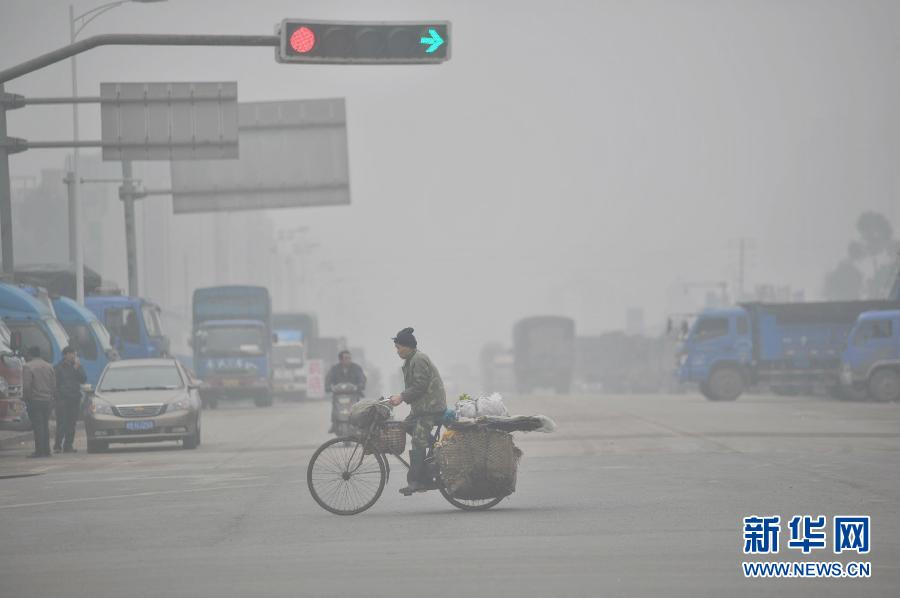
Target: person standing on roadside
(69, 378)
(38, 389)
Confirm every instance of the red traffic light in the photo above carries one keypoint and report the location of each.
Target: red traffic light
(362, 42)
(303, 40)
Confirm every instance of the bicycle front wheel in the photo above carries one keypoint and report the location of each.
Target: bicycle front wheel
(344, 480)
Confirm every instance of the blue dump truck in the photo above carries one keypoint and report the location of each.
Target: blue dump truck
(133, 324)
(871, 363)
(788, 347)
(84, 330)
(232, 341)
(32, 322)
(544, 353)
(89, 336)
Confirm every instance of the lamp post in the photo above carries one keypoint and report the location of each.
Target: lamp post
(76, 246)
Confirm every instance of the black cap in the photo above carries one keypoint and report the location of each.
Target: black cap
(405, 338)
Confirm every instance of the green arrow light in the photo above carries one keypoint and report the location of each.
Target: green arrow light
(434, 42)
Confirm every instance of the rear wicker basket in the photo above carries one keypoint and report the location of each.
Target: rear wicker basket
(391, 439)
(478, 463)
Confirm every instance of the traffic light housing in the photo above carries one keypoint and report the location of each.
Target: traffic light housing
(346, 42)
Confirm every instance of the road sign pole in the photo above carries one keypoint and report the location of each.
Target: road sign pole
(5, 193)
(127, 194)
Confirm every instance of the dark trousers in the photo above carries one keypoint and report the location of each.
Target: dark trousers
(66, 416)
(39, 414)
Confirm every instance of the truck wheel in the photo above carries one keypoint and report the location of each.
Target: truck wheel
(725, 384)
(884, 385)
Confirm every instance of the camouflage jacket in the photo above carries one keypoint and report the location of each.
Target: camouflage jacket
(424, 387)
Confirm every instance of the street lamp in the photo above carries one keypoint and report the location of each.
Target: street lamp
(76, 249)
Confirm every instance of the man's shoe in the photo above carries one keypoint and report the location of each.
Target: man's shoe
(70, 449)
(412, 488)
(57, 449)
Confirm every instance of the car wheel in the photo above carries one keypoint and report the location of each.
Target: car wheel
(192, 441)
(884, 385)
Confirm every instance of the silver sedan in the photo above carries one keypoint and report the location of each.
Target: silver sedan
(143, 400)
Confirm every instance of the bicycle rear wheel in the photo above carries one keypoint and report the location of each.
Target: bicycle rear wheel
(344, 480)
(470, 504)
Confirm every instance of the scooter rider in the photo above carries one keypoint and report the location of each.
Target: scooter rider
(344, 371)
(428, 401)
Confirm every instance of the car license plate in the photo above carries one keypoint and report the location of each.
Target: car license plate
(231, 383)
(140, 425)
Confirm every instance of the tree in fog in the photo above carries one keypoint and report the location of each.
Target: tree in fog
(871, 260)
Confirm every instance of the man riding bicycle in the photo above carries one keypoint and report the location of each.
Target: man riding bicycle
(425, 395)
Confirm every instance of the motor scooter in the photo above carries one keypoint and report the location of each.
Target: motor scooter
(343, 396)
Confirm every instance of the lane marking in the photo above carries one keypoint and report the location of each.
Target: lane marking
(138, 494)
(199, 478)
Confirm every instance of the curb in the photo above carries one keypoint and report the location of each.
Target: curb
(16, 440)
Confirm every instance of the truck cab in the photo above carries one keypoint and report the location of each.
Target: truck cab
(88, 335)
(32, 322)
(871, 361)
(232, 358)
(133, 323)
(289, 365)
(716, 353)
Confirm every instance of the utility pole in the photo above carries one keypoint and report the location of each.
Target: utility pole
(5, 192)
(76, 244)
(127, 195)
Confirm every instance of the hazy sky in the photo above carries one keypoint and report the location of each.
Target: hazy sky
(571, 156)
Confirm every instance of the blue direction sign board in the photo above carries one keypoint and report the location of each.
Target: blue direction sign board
(355, 42)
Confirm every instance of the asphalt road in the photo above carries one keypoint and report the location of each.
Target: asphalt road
(632, 496)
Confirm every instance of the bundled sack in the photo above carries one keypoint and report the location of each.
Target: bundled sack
(364, 413)
(472, 408)
(477, 463)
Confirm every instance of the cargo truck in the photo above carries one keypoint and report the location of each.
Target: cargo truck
(544, 353)
(788, 347)
(232, 341)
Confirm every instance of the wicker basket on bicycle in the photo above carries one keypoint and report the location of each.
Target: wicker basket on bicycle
(387, 437)
(380, 435)
(477, 463)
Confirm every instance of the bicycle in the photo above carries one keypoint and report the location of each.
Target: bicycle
(347, 475)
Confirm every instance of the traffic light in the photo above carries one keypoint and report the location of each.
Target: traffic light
(345, 42)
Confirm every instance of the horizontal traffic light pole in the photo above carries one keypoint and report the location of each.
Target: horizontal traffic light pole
(127, 39)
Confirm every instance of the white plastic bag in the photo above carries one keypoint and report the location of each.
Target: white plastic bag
(472, 408)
